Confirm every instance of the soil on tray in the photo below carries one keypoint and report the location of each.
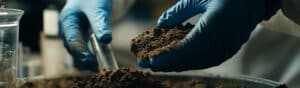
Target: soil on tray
(152, 43)
(123, 78)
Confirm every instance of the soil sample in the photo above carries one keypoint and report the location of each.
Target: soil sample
(66, 82)
(126, 78)
(123, 78)
(152, 43)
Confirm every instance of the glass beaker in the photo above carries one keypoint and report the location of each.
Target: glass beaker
(9, 38)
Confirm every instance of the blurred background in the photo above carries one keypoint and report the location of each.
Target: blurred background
(43, 53)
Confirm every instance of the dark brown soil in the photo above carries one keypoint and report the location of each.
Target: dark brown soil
(156, 41)
(123, 78)
(67, 82)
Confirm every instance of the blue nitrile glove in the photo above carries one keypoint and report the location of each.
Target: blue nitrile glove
(221, 31)
(75, 19)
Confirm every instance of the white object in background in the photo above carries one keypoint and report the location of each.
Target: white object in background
(51, 22)
(55, 59)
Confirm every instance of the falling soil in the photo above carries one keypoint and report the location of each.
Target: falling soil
(152, 43)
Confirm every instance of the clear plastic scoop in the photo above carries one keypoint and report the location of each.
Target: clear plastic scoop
(104, 54)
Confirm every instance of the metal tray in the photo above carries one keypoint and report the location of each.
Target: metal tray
(210, 79)
(213, 80)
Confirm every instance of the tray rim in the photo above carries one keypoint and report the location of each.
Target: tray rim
(224, 76)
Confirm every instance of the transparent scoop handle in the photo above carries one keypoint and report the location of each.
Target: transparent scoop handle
(104, 54)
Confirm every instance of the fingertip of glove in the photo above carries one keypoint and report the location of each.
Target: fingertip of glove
(83, 57)
(144, 63)
(106, 38)
(86, 62)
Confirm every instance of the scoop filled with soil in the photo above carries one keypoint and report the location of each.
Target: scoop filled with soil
(156, 41)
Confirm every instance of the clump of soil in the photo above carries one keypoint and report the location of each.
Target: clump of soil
(123, 78)
(152, 43)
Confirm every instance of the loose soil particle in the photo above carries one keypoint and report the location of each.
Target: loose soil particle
(152, 43)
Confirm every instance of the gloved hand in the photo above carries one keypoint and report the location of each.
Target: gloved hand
(221, 31)
(75, 18)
